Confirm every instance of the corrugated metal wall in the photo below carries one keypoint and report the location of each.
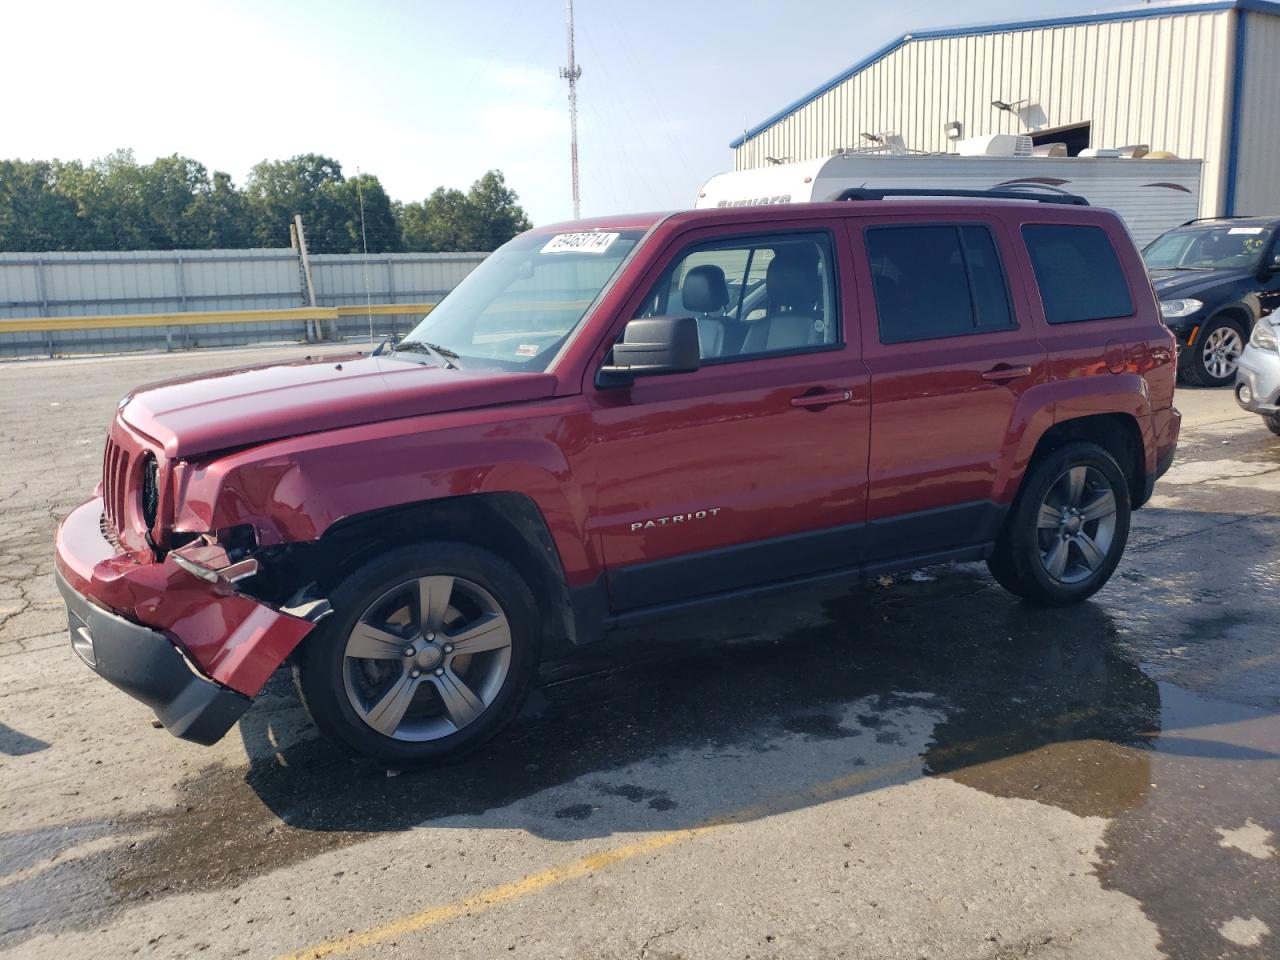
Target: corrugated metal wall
(1258, 164)
(392, 277)
(160, 281)
(140, 282)
(1162, 80)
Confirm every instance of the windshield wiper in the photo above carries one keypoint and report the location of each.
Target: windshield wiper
(1192, 269)
(443, 355)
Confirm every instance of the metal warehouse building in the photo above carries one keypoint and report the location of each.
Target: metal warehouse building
(1201, 80)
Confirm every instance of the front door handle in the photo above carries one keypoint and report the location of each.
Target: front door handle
(822, 399)
(1006, 372)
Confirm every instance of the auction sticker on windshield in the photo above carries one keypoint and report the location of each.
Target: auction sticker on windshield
(579, 243)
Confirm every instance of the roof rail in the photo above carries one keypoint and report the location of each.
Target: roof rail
(1235, 216)
(880, 193)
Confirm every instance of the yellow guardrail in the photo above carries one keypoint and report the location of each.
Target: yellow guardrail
(194, 318)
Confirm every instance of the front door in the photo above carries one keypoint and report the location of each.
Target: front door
(753, 468)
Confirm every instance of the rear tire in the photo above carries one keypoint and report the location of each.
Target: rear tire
(1272, 420)
(430, 651)
(1067, 528)
(1215, 357)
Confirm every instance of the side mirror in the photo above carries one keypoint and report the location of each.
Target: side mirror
(651, 347)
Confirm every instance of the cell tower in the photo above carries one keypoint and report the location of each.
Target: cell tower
(571, 73)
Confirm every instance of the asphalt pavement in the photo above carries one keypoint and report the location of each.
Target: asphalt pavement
(922, 767)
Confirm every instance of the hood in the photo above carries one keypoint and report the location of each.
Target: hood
(1186, 283)
(232, 408)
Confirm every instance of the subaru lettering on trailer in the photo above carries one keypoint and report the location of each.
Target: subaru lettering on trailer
(756, 201)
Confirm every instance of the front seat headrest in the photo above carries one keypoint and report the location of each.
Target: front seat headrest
(704, 289)
(792, 283)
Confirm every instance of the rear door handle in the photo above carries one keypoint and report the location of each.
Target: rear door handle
(822, 399)
(1006, 372)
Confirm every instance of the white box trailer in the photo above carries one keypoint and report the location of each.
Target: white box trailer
(1151, 196)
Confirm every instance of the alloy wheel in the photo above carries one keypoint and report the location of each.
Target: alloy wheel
(427, 658)
(1221, 352)
(1076, 524)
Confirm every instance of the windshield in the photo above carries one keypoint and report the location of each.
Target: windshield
(515, 310)
(1207, 248)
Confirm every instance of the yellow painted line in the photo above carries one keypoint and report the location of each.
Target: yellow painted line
(591, 863)
(193, 318)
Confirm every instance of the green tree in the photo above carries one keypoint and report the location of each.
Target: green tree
(218, 216)
(484, 218)
(497, 214)
(381, 229)
(305, 184)
(166, 190)
(441, 222)
(124, 205)
(34, 214)
(174, 202)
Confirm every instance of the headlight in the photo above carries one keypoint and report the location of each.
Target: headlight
(1264, 335)
(1179, 308)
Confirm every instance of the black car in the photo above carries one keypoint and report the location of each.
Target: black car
(1215, 278)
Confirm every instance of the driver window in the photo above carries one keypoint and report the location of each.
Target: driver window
(752, 297)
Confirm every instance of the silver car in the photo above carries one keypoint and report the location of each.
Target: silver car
(1258, 378)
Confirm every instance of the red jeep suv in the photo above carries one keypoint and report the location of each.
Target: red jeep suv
(617, 419)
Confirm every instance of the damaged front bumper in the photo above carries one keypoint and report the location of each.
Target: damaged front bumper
(145, 665)
(195, 651)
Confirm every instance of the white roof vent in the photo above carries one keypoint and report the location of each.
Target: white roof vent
(995, 145)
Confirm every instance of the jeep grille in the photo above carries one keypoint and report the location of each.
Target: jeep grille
(115, 482)
(131, 483)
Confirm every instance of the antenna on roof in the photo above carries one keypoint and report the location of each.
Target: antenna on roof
(364, 240)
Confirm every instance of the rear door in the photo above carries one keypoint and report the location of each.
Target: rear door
(951, 353)
(753, 468)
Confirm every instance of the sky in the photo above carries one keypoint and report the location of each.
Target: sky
(434, 93)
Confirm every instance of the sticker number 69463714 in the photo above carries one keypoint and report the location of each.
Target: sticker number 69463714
(579, 243)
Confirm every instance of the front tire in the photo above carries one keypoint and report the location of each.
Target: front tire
(1215, 357)
(1272, 420)
(430, 651)
(1067, 528)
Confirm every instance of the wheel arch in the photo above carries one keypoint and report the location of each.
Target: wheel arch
(508, 524)
(1117, 433)
(1235, 310)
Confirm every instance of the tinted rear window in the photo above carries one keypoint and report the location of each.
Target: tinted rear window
(934, 281)
(1078, 272)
